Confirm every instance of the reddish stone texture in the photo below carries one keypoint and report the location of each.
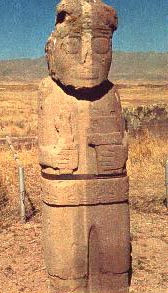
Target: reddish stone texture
(83, 153)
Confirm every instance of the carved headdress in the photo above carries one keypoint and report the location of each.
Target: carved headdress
(86, 14)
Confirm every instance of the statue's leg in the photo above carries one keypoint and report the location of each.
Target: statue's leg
(65, 242)
(114, 283)
(111, 224)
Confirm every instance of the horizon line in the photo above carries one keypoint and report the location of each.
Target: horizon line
(115, 51)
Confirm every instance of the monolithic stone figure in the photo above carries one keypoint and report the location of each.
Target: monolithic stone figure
(83, 153)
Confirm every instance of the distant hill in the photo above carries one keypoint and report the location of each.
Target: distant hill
(149, 66)
(144, 66)
(23, 69)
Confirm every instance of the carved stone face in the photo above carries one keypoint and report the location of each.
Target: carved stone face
(79, 50)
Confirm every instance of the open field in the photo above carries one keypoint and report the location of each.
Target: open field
(21, 260)
(146, 93)
(18, 111)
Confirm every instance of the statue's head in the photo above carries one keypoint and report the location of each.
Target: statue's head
(79, 51)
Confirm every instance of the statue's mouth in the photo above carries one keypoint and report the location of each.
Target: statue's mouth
(87, 75)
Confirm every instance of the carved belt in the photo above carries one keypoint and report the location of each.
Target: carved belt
(81, 176)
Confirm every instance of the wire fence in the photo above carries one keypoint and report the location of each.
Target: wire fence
(12, 178)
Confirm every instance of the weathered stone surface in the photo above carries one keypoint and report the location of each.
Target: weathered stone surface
(79, 50)
(83, 153)
(84, 192)
(88, 250)
(81, 136)
(58, 146)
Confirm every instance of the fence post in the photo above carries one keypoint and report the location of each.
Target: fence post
(22, 194)
(21, 181)
(166, 182)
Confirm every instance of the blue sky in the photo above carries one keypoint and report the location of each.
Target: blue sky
(26, 24)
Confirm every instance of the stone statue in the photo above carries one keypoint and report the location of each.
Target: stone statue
(83, 153)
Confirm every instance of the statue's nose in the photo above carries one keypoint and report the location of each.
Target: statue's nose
(86, 50)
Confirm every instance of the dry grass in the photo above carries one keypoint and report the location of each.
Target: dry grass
(18, 113)
(146, 167)
(9, 183)
(134, 94)
(147, 158)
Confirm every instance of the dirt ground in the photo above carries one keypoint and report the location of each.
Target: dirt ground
(22, 267)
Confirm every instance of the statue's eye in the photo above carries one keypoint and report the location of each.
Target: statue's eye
(61, 17)
(72, 45)
(101, 45)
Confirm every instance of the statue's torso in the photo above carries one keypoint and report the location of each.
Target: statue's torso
(81, 141)
(81, 136)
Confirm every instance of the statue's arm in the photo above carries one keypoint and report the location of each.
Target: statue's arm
(107, 137)
(57, 148)
(59, 158)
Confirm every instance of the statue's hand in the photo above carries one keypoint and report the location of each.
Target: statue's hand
(62, 157)
(111, 158)
(66, 160)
